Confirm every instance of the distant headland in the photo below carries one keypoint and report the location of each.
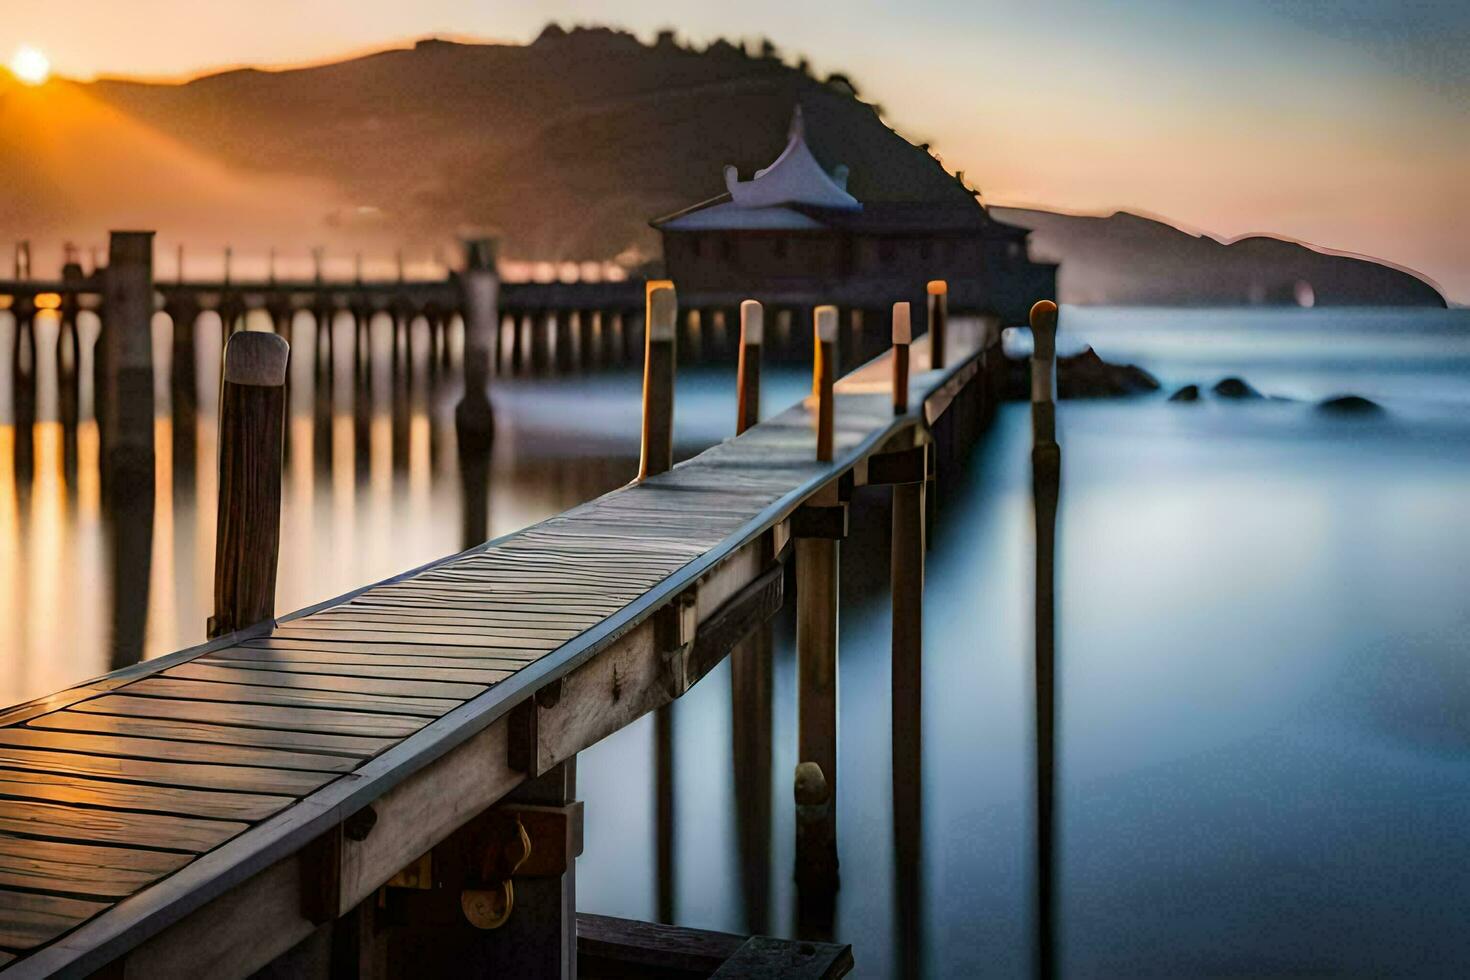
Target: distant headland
(568, 146)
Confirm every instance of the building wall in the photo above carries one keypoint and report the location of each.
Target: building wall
(984, 273)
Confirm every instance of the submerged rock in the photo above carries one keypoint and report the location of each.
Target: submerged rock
(1235, 388)
(1349, 405)
(1189, 393)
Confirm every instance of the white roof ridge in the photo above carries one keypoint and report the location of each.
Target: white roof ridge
(795, 177)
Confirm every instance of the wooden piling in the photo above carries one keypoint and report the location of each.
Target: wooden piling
(938, 291)
(748, 375)
(816, 648)
(751, 680)
(479, 285)
(1046, 486)
(907, 577)
(127, 361)
(903, 335)
(662, 312)
(816, 772)
(251, 443)
(824, 368)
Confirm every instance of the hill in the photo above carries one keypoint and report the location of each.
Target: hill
(567, 146)
(1131, 260)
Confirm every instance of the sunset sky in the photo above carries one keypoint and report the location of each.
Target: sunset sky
(1345, 123)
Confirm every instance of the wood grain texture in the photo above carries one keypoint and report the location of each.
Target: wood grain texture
(55, 788)
(30, 920)
(240, 779)
(159, 831)
(287, 749)
(252, 418)
(245, 694)
(307, 720)
(166, 750)
(85, 870)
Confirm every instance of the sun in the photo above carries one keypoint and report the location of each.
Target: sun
(30, 65)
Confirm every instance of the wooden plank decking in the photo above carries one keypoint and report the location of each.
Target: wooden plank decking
(141, 809)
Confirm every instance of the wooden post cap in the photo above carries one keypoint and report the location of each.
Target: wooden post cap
(752, 322)
(254, 357)
(663, 309)
(826, 322)
(903, 327)
(1044, 329)
(937, 287)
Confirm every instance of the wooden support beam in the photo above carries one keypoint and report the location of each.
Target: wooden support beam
(501, 891)
(658, 379)
(899, 466)
(824, 521)
(626, 948)
(252, 419)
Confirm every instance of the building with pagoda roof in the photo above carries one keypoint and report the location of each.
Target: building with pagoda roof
(805, 230)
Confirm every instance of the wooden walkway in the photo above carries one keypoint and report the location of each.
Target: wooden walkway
(141, 810)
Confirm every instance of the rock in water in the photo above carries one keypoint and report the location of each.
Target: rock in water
(1349, 405)
(1235, 388)
(1082, 375)
(1189, 393)
(1086, 375)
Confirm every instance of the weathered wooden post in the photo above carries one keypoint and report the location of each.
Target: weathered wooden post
(24, 376)
(903, 335)
(183, 310)
(252, 420)
(818, 527)
(657, 456)
(824, 371)
(751, 679)
(127, 357)
(938, 291)
(479, 285)
(748, 374)
(1046, 460)
(662, 313)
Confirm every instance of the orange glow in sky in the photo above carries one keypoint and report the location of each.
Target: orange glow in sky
(1340, 124)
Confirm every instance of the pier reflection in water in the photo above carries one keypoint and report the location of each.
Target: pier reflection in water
(377, 480)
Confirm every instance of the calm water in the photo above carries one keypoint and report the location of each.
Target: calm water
(1264, 663)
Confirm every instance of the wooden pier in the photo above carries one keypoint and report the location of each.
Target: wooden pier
(406, 753)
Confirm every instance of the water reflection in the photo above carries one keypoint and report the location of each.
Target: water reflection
(378, 479)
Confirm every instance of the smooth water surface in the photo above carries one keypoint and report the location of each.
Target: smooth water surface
(1264, 663)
